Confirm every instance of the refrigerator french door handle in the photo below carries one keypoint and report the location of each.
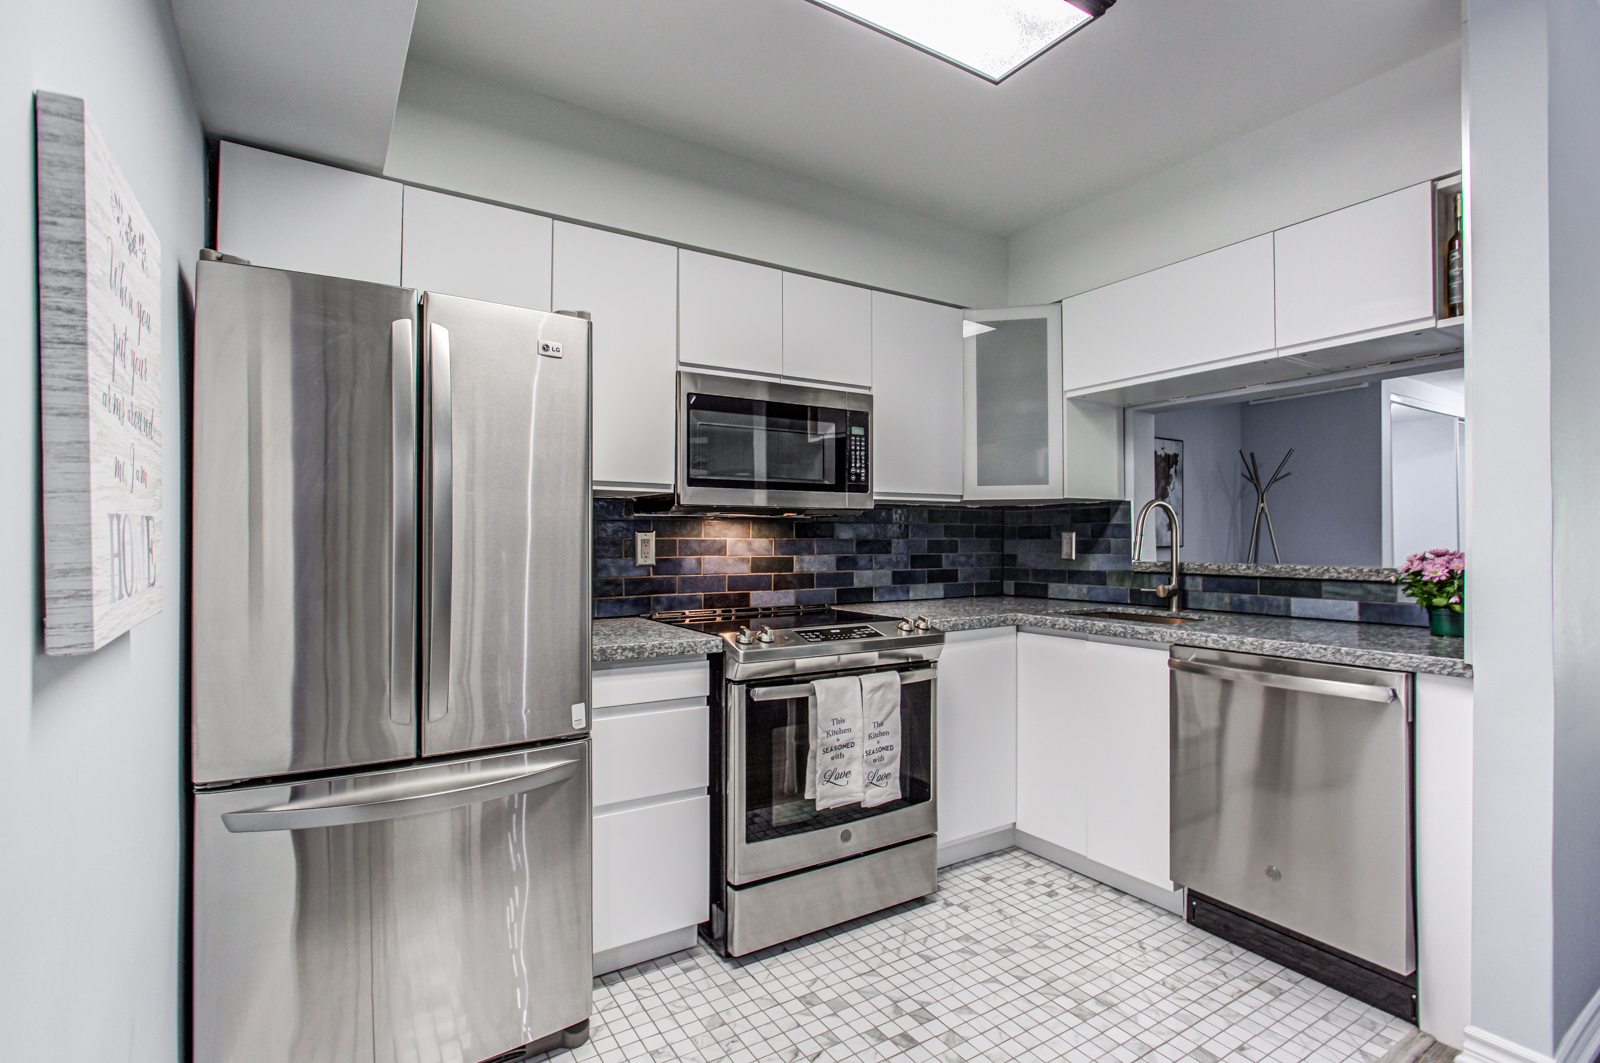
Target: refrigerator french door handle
(472, 789)
(439, 551)
(403, 461)
(1302, 684)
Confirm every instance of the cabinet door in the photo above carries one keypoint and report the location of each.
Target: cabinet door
(977, 733)
(291, 214)
(1052, 787)
(478, 250)
(827, 331)
(630, 289)
(730, 314)
(1013, 409)
(1212, 308)
(651, 870)
(1359, 269)
(916, 399)
(1124, 695)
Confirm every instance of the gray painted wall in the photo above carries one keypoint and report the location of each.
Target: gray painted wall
(1330, 511)
(89, 770)
(1509, 526)
(1574, 112)
(1213, 490)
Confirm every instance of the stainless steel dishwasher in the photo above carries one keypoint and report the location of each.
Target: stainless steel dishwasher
(1291, 815)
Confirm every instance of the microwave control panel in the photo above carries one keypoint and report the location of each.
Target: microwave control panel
(859, 472)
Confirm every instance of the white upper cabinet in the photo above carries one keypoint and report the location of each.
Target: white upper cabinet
(1012, 393)
(475, 250)
(916, 401)
(1211, 308)
(730, 314)
(291, 214)
(1358, 270)
(827, 331)
(630, 289)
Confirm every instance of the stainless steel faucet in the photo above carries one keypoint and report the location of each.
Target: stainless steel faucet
(1168, 590)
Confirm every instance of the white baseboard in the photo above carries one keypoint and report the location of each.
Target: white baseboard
(975, 845)
(1171, 900)
(1582, 1041)
(1484, 1047)
(648, 949)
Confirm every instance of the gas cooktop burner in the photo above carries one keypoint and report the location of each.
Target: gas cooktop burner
(777, 617)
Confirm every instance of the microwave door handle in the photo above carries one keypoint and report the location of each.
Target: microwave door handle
(341, 811)
(403, 466)
(439, 550)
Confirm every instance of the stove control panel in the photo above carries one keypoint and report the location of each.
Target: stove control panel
(838, 634)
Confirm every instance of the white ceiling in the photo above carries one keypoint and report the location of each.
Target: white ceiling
(306, 76)
(793, 85)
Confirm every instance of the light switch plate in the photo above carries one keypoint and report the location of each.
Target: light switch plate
(1069, 546)
(644, 549)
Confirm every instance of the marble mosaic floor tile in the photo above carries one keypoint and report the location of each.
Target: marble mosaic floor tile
(1013, 960)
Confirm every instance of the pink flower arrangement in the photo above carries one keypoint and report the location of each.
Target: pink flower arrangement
(1436, 579)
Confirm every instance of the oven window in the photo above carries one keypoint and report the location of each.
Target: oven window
(777, 736)
(745, 443)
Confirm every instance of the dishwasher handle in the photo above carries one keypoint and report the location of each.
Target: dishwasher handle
(1303, 684)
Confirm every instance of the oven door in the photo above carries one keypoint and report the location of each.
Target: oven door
(756, 443)
(771, 827)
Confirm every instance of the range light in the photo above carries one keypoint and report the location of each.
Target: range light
(990, 38)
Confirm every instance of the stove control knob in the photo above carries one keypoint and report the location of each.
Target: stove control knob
(922, 624)
(905, 624)
(766, 634)
(743, 637)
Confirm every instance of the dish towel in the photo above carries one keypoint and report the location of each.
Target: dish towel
(837, 731)
(880, 705)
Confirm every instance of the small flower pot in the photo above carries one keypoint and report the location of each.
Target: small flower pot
(1444, 621)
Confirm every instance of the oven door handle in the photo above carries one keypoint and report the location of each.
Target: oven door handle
(806, 690)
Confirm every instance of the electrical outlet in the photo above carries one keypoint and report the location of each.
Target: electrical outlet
(1069, 546)
(644, 549)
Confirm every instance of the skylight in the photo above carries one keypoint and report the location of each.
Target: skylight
(991, 38)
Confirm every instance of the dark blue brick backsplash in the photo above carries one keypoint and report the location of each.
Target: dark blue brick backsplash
(888, 554)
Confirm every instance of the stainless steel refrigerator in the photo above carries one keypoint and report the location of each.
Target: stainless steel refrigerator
(389, 674)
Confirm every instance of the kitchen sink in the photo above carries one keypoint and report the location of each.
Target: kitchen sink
(1142, 618)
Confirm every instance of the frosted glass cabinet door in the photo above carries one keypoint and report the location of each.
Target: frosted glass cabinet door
(1013, 396)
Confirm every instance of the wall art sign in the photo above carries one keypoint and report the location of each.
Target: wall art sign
(100, 384)
(1169, 488)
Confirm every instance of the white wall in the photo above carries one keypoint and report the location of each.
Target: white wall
(1574, 111)
(1509, 519)
(1213, 490)
(1330, 511)
(89, 769)
(1384, 134)
(463, 135)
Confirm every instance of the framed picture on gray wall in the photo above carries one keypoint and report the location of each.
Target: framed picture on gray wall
(1169, 487)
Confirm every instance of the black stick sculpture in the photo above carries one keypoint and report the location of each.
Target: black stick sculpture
(1252, 473)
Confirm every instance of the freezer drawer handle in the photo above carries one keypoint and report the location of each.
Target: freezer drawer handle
(805, 690)
(336, 812)
(403, 458)
(439, 549)
(1331, 687)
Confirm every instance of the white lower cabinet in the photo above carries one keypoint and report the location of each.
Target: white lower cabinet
(1093, 751)
(652, 817)
(977, 735)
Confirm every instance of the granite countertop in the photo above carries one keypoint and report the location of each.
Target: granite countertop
(1215, 568)
(634, 638)
(1405, 649)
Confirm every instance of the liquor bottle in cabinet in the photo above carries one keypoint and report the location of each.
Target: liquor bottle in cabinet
(1455, 273)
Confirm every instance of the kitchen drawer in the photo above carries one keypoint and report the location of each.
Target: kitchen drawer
(638, 684)
(649, 751)
(651, 868)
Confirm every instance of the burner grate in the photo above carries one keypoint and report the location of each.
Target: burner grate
(748, 612)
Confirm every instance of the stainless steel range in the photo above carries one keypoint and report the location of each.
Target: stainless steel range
(782, 866)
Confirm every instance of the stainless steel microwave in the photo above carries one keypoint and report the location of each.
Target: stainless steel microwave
(765, 445)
